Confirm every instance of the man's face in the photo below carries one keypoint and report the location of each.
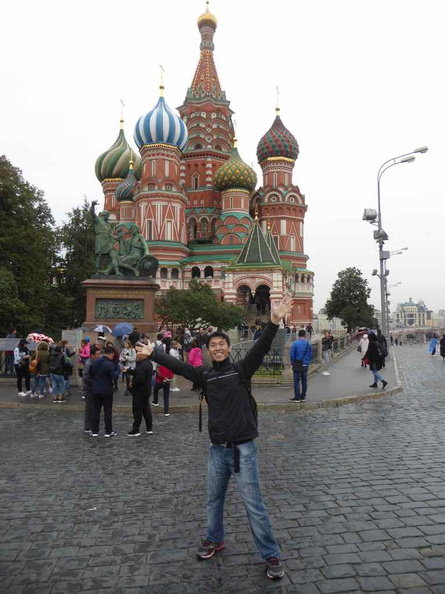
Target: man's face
(218, 349)
(201, 331)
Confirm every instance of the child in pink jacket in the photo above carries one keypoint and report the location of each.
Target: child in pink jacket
(195, 359)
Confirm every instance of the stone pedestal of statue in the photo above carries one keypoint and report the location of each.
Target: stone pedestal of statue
(114, 299)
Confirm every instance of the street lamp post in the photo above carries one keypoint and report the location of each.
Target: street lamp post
(380, 235)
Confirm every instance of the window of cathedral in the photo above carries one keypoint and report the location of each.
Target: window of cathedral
(213, 115)
(169, 230)
(292, 243)
(204, 225)
(195, 181)
(197, 147)
(203, 114)
(196, 273)
(175, 273)
(208, 272)
(168, 187)
(218, 147)
(163, 273)
(274, 179)
(150, 230)
(192, 229)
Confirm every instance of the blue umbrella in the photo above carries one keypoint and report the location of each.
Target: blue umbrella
(122, 329)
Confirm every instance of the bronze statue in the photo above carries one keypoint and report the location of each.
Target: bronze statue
(131, 258)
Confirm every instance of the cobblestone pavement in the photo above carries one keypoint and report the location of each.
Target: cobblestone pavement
(356, 495)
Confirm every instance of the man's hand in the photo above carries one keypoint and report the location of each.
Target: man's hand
(281, 310)
(144, 349)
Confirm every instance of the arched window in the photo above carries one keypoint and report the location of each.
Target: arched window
(208, 272)
(175, 273)
(204, 225)
(163, 272)
(218, 147)
(196, 273)
(197, 147)
(195, 180)
(192, 229)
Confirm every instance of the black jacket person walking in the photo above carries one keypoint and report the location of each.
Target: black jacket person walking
(232, 424)
(140, 388)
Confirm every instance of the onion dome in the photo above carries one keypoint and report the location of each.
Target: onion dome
(124, 191)
(161, 125)
(207, 19)
(235, 174)
(278, 142)
(115, 162)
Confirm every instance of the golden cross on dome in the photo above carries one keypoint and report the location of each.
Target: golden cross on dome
(277, 108)
(256, 211)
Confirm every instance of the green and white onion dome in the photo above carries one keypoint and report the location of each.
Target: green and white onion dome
(115, 162)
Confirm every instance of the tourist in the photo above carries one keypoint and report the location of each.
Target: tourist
(326, 345)
(174, 352)
(362, 348)
(84, 355)
(104, 372)
(186, 341)
(167, 340)
(201, 338)
(87, 387)
(134, 336)
(43, 357)
(232, 423)
(57, 365)
(309, 331)
(21, 366)
(195, 359)
(116, 357)
(140, 388)
(68, 371)
(128, 360)
(442, 347)
(163, 380)
(9, 355)
(433, 345)
(300, 358)
(375, 356)
(257, 333)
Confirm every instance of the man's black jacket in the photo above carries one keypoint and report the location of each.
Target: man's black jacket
(231, 418)
(141, 378)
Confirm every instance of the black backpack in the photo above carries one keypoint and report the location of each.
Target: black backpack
(382, 350)
(56, 364)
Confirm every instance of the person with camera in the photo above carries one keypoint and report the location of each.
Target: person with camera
(300, 357)
(233, 427)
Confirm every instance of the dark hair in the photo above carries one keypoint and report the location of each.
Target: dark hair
(372, 337)
(159, 336)
(194, 344)
(218, 334)
(302, 332)
(95, 349)
(108, 350)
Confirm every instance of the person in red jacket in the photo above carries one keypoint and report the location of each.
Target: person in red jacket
(195, 359)
(163, 380)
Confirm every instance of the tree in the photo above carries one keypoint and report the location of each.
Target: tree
(11, 308)
(349, 300)
(197, 306)
(76, 261)
(28, 247)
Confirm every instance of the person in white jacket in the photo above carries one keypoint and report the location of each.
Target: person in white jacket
(174, 352)
(128, 360)
(363, 347)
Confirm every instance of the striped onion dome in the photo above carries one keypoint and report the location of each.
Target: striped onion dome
(277, 142)
(115, 162)
(161, 125)
(124, 191)
(235, 174)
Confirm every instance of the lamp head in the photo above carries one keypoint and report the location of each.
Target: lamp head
(422, 149)
(408, 159)
(374, 272)
(369, 214)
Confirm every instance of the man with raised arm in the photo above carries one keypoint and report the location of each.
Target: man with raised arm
(232, 424)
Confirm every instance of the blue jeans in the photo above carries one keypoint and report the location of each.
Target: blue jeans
(300, 376)
(39, 386)
(376, 374)
(58, 382)
(220, 469)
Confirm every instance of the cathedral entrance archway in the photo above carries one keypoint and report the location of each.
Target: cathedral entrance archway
(262, 299)
(244, 296)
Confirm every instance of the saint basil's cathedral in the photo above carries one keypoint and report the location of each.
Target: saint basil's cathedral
(196, 202)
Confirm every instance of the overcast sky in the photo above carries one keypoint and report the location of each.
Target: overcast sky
(359, 83)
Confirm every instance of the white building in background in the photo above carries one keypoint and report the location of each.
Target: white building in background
(321, 323)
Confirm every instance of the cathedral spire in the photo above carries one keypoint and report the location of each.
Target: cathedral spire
(206, 82)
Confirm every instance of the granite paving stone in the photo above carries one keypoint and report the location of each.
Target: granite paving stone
(356, 495)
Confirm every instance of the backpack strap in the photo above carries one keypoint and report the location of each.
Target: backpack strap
(202, 395)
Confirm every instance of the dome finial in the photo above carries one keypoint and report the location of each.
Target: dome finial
(122, 114)
(131, 159)
(277, 108)
(161, 86)
(207, 18)
(256, 211)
